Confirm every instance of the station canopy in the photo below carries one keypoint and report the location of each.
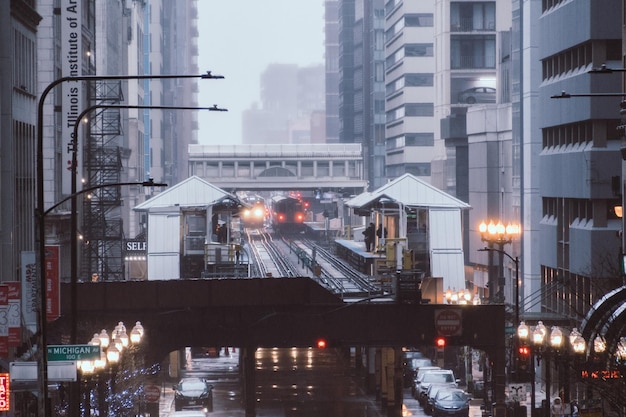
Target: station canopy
(408, 191)
(190, 193)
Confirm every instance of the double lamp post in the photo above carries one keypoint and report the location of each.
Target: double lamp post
(41, 212)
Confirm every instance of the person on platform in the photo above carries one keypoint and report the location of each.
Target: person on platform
(381, 232)
(369, 237)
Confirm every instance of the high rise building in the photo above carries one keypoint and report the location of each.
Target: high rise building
(580, 160)
(410, 88)
(362, 83)
(20, 23)
(331, 45)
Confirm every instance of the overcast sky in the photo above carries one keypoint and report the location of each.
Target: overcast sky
(239, 39)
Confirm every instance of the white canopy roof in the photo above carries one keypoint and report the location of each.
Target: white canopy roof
(192, 192)
(410, 191)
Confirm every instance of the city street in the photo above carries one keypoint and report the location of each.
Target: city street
(291, 383)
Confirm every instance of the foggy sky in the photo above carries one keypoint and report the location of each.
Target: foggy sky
(239, 39)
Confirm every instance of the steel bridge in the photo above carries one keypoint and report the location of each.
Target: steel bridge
(272, 312)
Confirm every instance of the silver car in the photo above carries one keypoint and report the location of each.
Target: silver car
(478, 95)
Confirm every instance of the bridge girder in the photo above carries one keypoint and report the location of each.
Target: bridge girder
(262, 312)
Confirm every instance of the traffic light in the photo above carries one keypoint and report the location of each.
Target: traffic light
(440, 342)
(321, 343)
(523, 364)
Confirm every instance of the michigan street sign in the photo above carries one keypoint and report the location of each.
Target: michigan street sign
(73, 352)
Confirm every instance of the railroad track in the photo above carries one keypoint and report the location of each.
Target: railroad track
(268, 259)
(296, 256)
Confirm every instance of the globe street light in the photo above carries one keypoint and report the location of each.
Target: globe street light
(549, 344)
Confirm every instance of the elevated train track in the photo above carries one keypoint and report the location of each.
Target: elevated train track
(295, 256)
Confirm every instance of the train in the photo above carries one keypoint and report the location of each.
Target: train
(287, 214)
(253, 216)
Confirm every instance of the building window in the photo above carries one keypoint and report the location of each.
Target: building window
(476, 51)
(474, 16)
(419, 20)
(420, 109)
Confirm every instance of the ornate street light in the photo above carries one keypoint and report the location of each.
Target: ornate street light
(497, 234)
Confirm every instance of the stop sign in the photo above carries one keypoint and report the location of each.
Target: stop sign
(152, 393)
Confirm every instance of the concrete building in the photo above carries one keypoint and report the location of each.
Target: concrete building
(20, 22)
(410, 94)
(580, 160)
(331, 55)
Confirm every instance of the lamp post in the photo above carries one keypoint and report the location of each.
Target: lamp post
(74, 193)
(497, 234)
(549, 344)
(74, 395)
(40, 213)
(111, 348)
(516, 262)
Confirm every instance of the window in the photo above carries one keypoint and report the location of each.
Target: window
(420, 19)
(477, 51)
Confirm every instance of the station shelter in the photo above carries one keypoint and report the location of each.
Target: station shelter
(189, 230)
(424, 231)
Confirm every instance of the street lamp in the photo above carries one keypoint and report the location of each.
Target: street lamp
(549, 344)
(74, 290)
(111, 356)
(517, 283)
(497, 234)
(40, 213)
(74, 193)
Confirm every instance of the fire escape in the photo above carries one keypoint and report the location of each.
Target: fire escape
(102, 225)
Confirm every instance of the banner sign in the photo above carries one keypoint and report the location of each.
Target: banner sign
(4, 321)
(29, 290)
(5, 392)
(71, 66)
(53, 282)
(15, 327)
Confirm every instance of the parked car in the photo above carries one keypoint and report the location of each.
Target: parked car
(451, 403)
(418, 376)
(478, 95)
(430, 396)
(193, 393)
(435, 376)
(412, 363)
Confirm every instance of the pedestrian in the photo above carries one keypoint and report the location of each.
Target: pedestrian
(557, 409)
(574, 408)
(369, 237)
(381, 232)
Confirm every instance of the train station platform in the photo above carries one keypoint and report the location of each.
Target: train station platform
(353, 252)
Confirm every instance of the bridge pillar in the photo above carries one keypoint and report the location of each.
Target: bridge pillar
(391, 383)
(247, 359)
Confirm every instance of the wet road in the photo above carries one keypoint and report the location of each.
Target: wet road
(291, 383)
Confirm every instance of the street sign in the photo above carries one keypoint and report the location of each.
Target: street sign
(73, 352)
(152, 393)
(60, 371)
(448, 322)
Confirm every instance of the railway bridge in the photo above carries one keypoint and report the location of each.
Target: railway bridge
(275, 167)
(271, 312)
